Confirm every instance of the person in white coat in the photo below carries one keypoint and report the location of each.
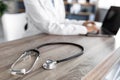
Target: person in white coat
(48, 16)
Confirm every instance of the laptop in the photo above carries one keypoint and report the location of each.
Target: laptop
(111, 23)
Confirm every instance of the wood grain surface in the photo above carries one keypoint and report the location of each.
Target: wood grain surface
(95, 61)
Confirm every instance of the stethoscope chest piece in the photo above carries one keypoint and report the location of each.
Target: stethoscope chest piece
(49, 64)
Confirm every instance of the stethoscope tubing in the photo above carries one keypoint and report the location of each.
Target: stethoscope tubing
(64, 43)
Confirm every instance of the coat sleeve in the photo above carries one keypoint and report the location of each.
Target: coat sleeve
(39, 18)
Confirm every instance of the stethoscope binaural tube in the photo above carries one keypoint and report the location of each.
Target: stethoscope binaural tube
(23, 71)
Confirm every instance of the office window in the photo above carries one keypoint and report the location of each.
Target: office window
(107, 3)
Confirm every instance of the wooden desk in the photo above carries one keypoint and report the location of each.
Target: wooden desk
(96, 61)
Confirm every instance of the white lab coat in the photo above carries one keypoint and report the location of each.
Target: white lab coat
(43, 17)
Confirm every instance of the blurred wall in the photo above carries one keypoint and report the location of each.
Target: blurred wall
(16, 6)
(12, 6)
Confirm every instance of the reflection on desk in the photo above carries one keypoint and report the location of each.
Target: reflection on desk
(114, 73)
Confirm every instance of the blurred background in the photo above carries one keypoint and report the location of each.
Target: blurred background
(94, 10)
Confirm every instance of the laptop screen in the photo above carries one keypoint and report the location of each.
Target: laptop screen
(111, 23)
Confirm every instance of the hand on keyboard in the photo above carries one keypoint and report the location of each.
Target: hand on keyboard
(91, 27)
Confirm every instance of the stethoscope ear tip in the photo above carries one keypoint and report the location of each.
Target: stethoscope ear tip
(18, 72)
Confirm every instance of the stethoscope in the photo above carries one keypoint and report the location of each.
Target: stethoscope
(49, 64)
